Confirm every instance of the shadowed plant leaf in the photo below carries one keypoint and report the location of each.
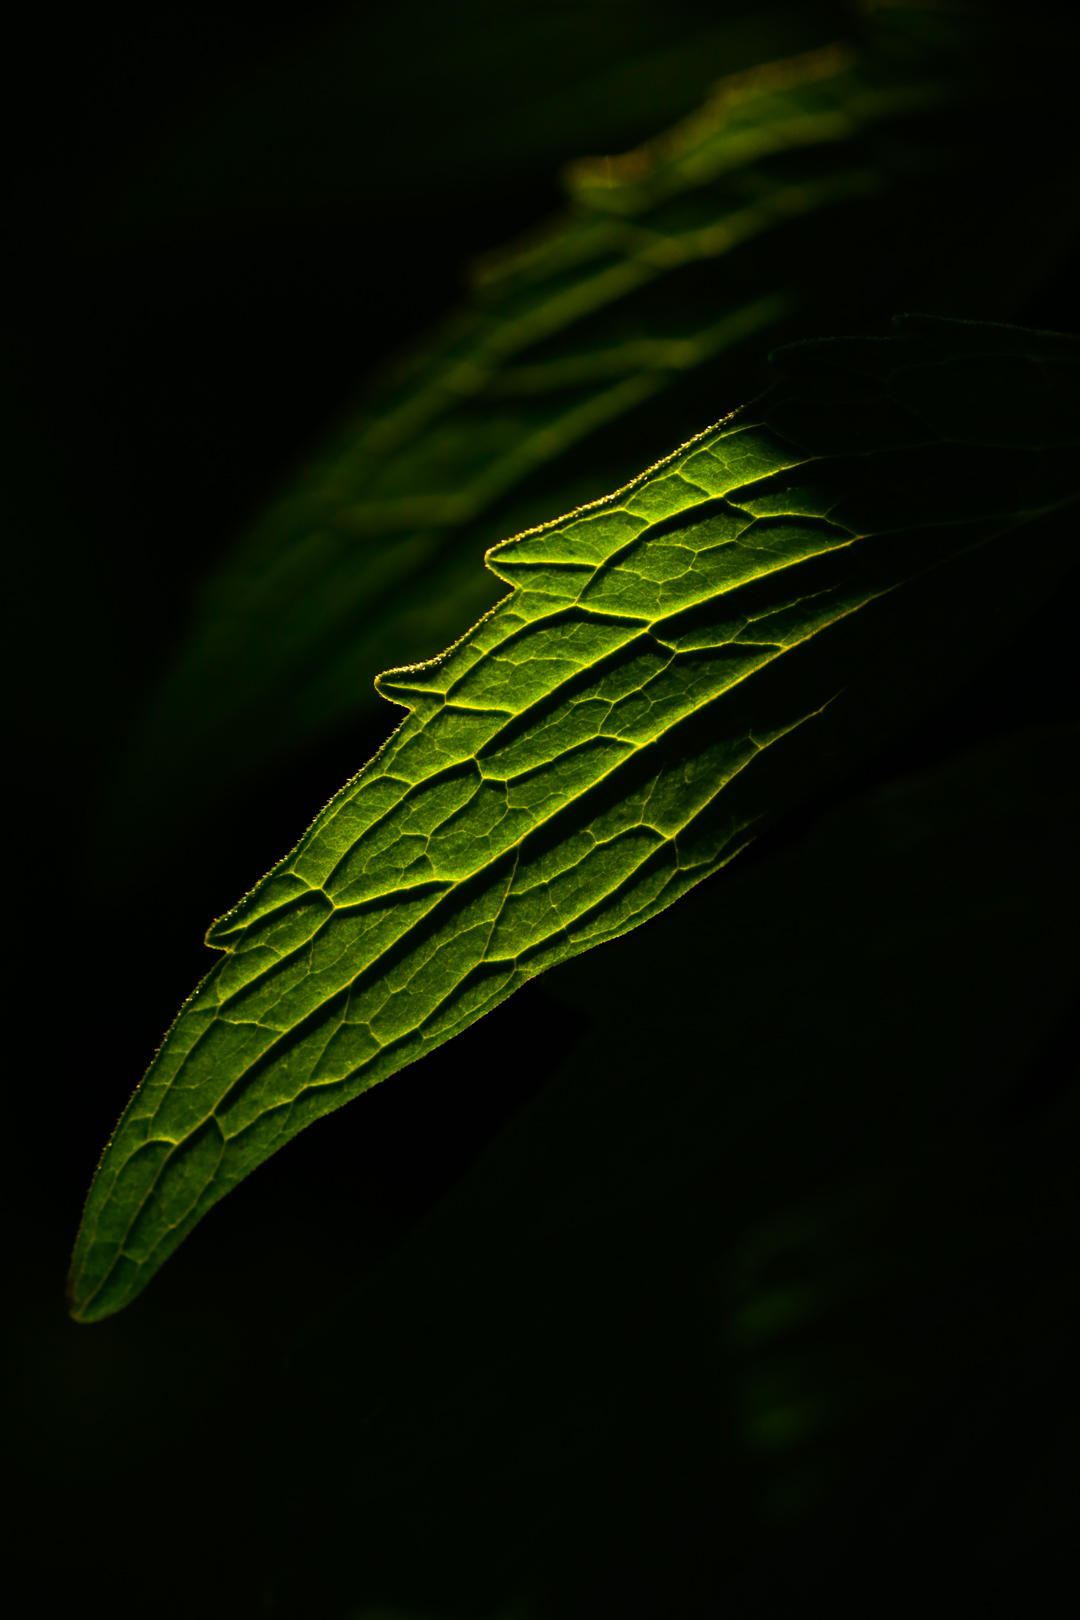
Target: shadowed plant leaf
(634, 296)
(675, 665)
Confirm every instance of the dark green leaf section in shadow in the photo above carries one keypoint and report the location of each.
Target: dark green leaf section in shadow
(674, 666)
(773, 1259)
(370, 558)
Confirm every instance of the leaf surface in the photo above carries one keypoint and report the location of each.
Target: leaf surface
(673, 666)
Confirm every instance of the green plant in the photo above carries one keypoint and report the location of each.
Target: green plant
(733, 661)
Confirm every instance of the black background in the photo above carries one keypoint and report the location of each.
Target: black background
(166, 364)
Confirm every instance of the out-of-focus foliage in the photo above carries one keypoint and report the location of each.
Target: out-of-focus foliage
(675, 665)
(585, 351)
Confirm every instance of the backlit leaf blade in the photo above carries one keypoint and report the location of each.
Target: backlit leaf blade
(664, 676)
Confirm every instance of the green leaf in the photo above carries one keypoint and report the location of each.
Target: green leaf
(615, 310)
(674, 665)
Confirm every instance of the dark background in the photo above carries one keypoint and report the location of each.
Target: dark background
(186, 320)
